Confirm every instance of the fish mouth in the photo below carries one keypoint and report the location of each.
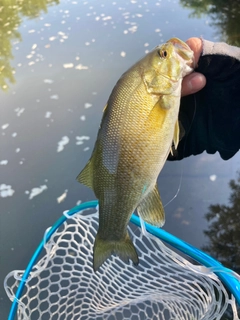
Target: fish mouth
(183, 50)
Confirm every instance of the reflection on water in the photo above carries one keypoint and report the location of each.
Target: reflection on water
(12, 14)
(67, 56)
(223, 230)
(224, 16)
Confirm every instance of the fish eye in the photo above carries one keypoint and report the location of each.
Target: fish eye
(162, 53)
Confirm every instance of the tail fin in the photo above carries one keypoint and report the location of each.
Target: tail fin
(103, 249)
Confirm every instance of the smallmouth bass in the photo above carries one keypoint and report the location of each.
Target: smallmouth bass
(138, 127)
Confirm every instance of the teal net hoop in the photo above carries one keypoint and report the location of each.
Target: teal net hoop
(230, 279)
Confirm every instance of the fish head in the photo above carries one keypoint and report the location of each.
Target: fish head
(166, 65)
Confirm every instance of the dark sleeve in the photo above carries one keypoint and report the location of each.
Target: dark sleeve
(211, 117)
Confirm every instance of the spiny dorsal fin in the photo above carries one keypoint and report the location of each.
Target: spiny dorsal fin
(85, 176)
(151, 209)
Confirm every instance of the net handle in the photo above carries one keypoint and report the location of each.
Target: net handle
(223, 273)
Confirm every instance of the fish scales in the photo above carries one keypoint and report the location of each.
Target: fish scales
(139, 124)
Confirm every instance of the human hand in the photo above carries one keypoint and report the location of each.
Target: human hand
(194, 81)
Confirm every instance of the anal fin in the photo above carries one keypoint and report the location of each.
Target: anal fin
(151, 209)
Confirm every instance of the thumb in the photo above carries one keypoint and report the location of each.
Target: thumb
(193, 83)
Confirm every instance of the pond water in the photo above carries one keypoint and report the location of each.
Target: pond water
(61, 60)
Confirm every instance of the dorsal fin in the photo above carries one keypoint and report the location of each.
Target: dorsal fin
(85, 176)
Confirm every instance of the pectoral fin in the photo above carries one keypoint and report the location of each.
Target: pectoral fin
(151, 209)
(179, 133)
(176, 135)
(85, 176)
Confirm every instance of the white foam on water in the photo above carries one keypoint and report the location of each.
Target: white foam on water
(6, 190)
(133, 29)
(5, 126)
(54, 97)
(65, 140)
(81, 67)
(80, 140)
(49, 81)
(68, 65)
(87, 105)
(62, 197)
(213, 177)
(48, 114)
(107, 18)
(3, 162)
(19, 111)
(36, 191)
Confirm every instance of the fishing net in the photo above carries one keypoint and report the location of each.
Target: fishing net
(63, 285)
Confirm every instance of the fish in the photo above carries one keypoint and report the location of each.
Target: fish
(138, 128)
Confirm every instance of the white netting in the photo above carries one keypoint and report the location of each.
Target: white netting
(164, 285)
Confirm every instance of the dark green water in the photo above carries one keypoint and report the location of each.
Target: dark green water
(59, 61)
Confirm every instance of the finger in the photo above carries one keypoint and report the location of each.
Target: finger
(193, 83)
(196, 45)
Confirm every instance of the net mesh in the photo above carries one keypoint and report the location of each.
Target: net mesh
(63, 285)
